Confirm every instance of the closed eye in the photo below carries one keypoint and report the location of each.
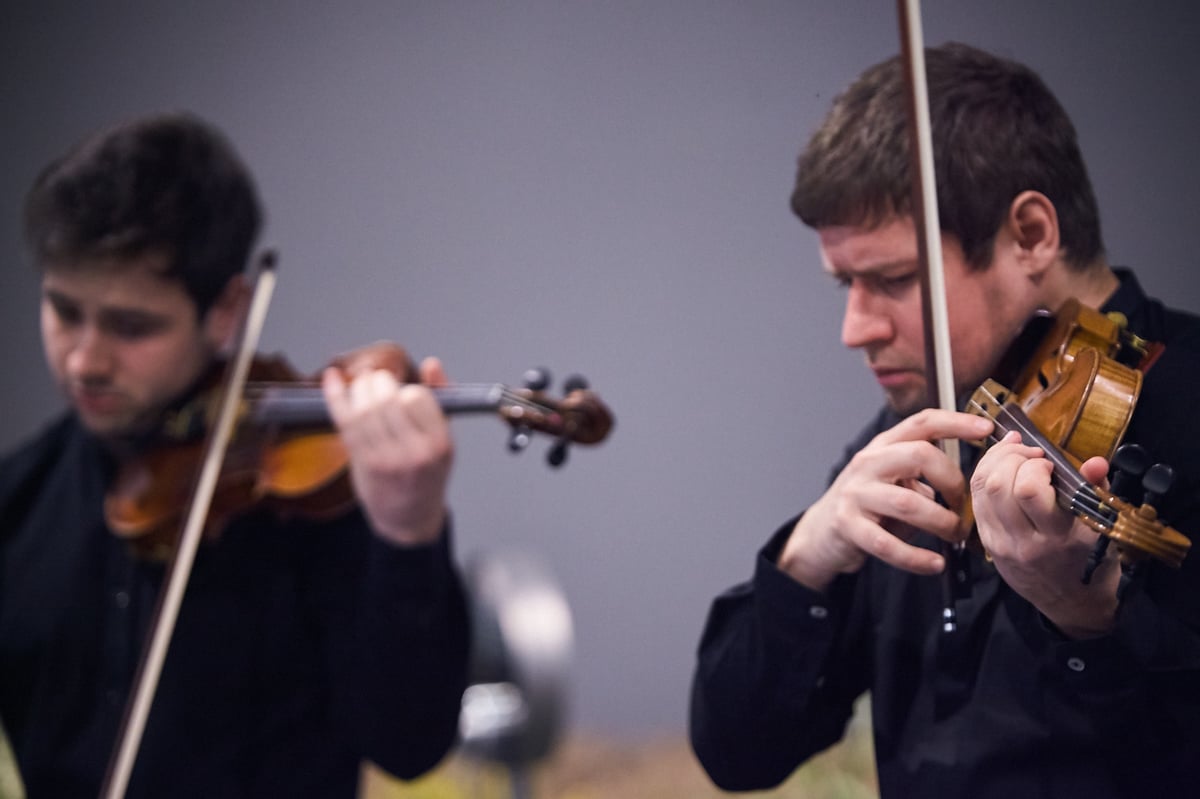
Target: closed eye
(67, 312)
(130, 326)
(894, 284)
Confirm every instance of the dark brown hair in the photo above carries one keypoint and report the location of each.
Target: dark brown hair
(167, 182)
(997, 131)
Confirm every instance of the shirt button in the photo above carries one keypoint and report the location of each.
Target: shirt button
(818, 611)
(1076, 664)
(121, 599)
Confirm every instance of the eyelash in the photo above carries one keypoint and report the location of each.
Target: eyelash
(884, 284)
(65, 314)
(131, 330)
(899, 281)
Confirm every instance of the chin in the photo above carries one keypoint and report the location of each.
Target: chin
(107, 427)
(907, 403)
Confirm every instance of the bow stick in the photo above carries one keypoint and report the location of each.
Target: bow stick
(939, 374)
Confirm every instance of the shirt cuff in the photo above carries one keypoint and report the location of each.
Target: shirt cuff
(787, 607)
(400, 573)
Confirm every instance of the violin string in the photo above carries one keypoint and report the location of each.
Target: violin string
(1078, 496)
(300, 398)
(1074, 493)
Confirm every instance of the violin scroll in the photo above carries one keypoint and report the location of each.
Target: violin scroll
(578, 418)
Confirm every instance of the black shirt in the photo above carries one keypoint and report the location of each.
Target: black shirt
(1003, 707)
(300, 648)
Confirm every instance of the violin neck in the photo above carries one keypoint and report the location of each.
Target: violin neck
(1073, 492)
(292, 406)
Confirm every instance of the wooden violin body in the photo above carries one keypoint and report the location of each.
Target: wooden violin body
(298, 468)
(1077, 374)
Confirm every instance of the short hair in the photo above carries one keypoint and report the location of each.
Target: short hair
(165, 182)
(997, 130)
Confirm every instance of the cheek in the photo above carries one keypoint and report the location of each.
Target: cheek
(910, 326)
(49, 327)
(164, 368)
(974, 351)
(55, 346)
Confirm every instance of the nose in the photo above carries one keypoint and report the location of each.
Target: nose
(865, 322)
(90, 357)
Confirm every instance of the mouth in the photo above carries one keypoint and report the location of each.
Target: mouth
(890, 377)
(96, 402)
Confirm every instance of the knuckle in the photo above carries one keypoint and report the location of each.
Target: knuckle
(880, 543)
(992, 485)
(843, 513)
(924, 423)
(905, 504)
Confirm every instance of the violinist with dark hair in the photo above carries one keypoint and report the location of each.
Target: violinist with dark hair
(1045, 685)
(302, 647)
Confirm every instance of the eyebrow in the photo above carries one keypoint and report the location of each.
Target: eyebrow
(108, 315)
(56, 296)
(883, 268)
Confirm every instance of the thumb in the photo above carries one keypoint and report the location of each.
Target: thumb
(1095, 471)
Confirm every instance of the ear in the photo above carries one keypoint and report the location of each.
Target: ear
(1033, 224)
(226, 313)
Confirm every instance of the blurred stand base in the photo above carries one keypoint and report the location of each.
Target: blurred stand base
(514, 708)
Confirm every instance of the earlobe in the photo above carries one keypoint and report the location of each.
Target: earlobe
(1033, 220)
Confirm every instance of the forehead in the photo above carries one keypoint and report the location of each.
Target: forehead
(854, 249)
(137, 283)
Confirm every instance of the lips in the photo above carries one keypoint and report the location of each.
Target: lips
(886, 370)
(889, 377)
(97, 402)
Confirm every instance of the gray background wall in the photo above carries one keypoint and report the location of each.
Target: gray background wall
(594, 186)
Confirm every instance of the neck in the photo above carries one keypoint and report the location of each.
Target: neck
(1091, 286)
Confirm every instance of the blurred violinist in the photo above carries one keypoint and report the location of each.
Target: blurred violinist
(1048, 686)
(302, 648)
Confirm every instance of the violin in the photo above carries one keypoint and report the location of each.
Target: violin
(1074, 397)
(285, 454)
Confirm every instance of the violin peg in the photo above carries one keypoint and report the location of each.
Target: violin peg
(1130, 459)
(519, 439)
(1095, 558)
(1130, 575)
(536, 379)
(1157, 482)
(1128, 465)
(557, 455)
(574, 383)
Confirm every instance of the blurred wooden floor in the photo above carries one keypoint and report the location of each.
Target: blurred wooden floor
(590, 768)
(587, 767)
